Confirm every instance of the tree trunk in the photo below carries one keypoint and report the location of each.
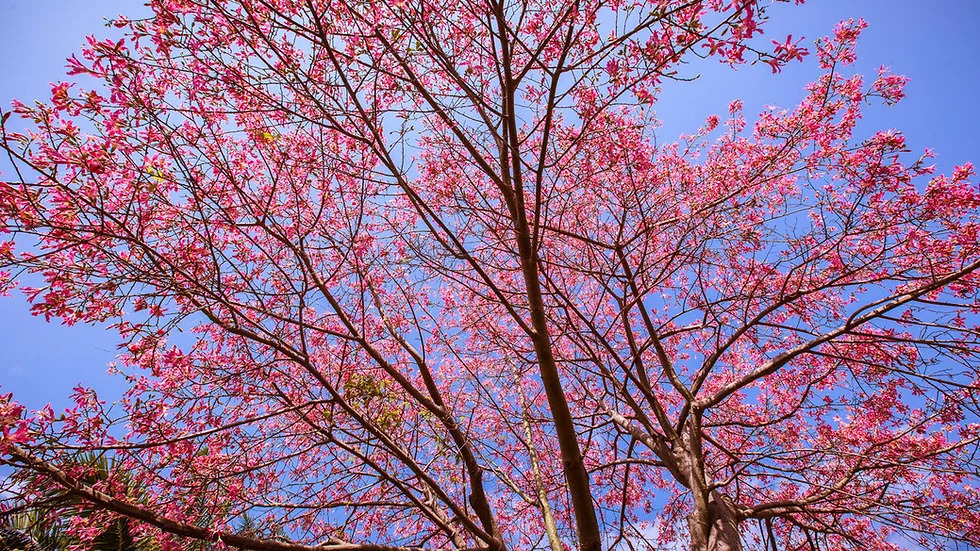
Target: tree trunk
(715, 527)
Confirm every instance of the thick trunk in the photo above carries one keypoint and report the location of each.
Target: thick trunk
(724, 524)
(714, 521)
(714, 526)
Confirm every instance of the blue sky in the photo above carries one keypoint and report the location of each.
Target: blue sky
(934, 43)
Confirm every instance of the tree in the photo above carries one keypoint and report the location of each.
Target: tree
(415, 275)
(15, 540)
(46, 522)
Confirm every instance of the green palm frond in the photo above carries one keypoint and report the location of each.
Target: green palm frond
(44, 522)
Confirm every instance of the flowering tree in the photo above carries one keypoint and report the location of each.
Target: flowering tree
(414, 275)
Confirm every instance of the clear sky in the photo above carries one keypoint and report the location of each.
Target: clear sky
(934, 43)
